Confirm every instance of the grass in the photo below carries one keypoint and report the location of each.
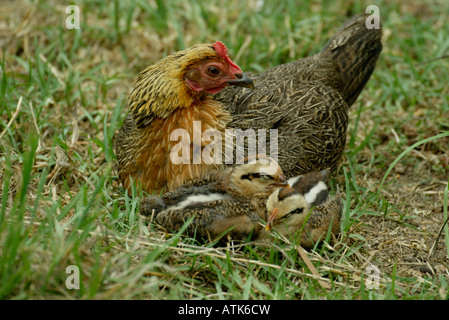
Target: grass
(63, 96)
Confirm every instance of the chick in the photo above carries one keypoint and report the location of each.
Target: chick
(231, 202)
(313, 185)
(287, 209)
(305, 206)
(259, 174)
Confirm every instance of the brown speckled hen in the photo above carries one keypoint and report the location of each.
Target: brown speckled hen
(307, 101)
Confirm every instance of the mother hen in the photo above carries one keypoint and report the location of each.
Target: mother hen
(306, 100)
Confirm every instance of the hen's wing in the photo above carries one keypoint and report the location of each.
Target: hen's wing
(310, 120)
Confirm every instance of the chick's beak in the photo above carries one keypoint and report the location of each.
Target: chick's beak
(283, 182)
(271, 219)
(242, 80)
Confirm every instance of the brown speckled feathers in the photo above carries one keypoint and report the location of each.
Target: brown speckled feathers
(238, 216)
(230, 199)
(215, 213)
(323, 217)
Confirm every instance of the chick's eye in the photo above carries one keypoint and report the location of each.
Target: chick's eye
(213, 71)
(297, 211)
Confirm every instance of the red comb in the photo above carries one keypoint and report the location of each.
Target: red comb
(221, 49)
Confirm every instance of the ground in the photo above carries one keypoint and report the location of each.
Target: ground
(63, 96)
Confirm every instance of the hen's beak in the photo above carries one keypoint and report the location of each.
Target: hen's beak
(271, 219)
(242, 81)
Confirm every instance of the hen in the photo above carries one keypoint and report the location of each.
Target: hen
(307, 101)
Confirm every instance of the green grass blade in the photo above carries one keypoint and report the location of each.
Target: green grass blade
(405, 152)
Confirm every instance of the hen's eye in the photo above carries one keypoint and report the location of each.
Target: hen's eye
(213, 71)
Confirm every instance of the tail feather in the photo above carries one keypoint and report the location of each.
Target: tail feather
(355, 49)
